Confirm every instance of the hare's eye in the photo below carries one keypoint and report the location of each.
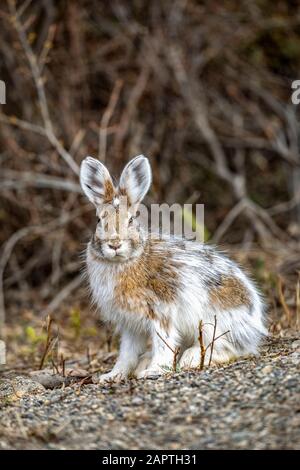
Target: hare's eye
(130, 222)
(98, 220)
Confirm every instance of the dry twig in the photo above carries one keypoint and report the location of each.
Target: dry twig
(40, 88)
(286, 309)
(202, 347)
(49, 341)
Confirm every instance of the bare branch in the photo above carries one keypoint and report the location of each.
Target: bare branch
(40, 88)
(202, 347)
(213, 340)
(21, 180)
(228, 221)
(106, 118)
(63, 294)
(24, 232)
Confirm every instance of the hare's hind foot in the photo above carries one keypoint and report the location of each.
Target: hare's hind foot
(147, 369)
(191, 358)
(143, 364)
(150, 373)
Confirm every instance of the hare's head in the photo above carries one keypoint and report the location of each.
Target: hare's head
(118, 235)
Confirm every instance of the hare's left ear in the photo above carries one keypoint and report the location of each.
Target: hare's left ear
(135, 180)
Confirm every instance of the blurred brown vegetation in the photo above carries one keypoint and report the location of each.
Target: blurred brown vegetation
(202, 88)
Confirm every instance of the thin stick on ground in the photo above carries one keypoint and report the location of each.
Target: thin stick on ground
(54, 366)
(49, 339)
(63, 365)
(298, 303)
(88, 357)
(175, 358)
(202, 347)
(286, 309)
(213, 340)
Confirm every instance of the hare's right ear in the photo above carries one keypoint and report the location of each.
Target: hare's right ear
(96, 182)
(135, 180)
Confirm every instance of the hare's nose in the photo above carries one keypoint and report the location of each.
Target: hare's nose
(114, 245)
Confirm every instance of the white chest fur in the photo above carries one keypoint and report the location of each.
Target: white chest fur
(103, 278)
(102, 283)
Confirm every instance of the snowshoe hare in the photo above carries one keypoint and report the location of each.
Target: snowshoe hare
(160, 288)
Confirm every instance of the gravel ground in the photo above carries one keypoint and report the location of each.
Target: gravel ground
(251, 404)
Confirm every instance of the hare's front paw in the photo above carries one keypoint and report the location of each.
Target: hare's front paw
(108, 378)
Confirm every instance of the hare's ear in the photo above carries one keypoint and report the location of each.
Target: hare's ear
(135, 180)
(96, 182)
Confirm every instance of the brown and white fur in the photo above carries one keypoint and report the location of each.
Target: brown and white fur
(158, 288)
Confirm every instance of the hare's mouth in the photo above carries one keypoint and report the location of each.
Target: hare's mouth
(118, 258)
